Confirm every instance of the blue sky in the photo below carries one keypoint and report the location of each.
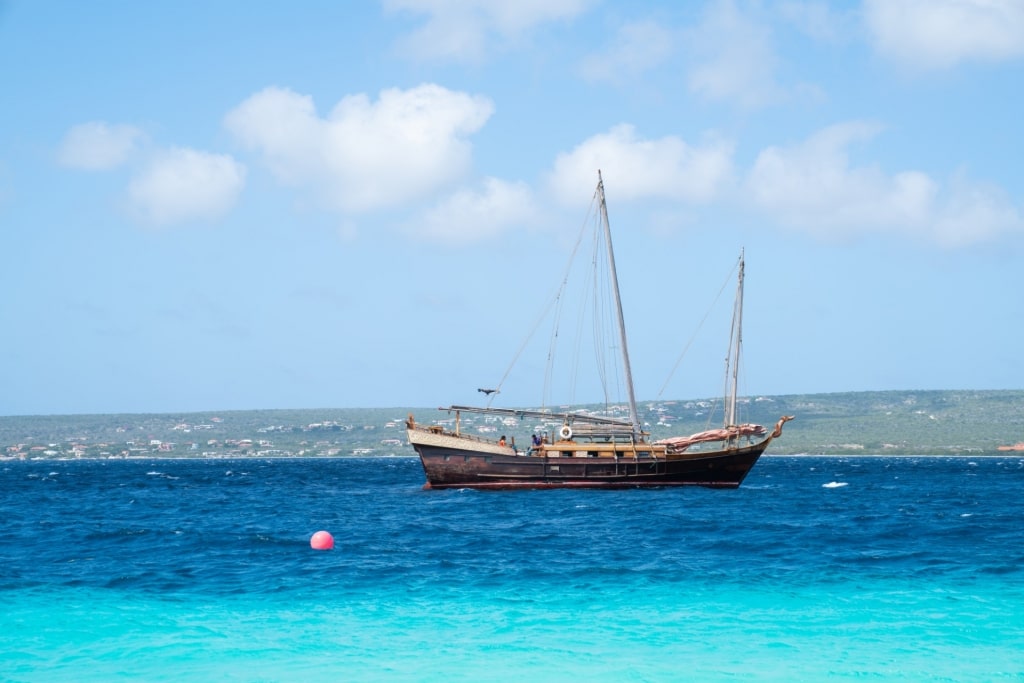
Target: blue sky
(215, 206)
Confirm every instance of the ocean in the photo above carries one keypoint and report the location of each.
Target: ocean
(817, 568)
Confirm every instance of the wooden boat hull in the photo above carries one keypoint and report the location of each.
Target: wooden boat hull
(450, 465)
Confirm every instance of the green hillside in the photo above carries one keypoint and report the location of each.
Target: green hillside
(889, 422)
(897, 422)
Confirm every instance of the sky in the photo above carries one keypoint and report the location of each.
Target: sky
(234, 205)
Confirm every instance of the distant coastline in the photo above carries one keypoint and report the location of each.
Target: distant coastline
(890, 423)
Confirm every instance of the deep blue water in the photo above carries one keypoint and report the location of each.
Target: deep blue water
(816, 568)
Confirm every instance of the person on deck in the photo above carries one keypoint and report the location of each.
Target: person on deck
(501, 441)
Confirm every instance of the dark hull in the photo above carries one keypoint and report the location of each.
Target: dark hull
(456, 468)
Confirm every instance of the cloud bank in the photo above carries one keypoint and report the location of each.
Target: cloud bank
(180, 185)
(98, 146)
(664, 168)
(813, 187)
(636, 48)
(364, 154)
(475, 215)
(734, 58)
(934, 34)
(466, 30)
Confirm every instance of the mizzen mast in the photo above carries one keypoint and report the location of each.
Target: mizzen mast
(634, 418)
(737, 329)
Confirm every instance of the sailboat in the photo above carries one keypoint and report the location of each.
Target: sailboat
(595, 451)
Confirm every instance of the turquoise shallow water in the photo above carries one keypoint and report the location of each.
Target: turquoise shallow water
(817, 568)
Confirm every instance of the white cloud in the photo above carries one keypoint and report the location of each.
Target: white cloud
(636, 48)
(734, 58)
(942, 33)
(472, 216)
(97, 145)
(813, 187)
(974, 212)
(284, 126)
(364, 155)
(183, 184)
(465, 29)
(666, 168)
(819, 20)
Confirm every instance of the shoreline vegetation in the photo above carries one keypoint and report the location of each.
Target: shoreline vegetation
(886, 423)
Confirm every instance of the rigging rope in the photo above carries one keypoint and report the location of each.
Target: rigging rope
(555, 301)
(686, 348)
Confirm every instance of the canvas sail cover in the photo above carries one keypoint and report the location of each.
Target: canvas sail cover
(679, 443)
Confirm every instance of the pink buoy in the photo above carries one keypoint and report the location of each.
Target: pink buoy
(321, 541)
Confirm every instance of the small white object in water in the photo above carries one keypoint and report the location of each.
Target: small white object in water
(834, 484)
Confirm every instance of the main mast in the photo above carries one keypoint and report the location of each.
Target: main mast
(634, 419)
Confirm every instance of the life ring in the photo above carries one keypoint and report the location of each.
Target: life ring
(565, 433)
